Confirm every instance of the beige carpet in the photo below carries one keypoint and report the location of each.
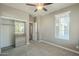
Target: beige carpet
(38, 49)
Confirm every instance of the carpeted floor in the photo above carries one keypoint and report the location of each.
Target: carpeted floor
(38, 49)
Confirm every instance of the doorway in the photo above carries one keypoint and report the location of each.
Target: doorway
(30, 31)
(33, 31)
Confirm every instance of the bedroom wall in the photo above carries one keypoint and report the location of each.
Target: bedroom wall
(46, 27)
(12, 12)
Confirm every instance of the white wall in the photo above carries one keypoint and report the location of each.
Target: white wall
(46, 27)
(12, 12)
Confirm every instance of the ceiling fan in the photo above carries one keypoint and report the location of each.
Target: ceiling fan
(39, 6)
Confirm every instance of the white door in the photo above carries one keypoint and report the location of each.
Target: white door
(35, 31)
(6, 35)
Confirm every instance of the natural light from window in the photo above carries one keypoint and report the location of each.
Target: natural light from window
(19, 27)
(62, 25)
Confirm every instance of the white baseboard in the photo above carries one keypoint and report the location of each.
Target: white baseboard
(71, 50)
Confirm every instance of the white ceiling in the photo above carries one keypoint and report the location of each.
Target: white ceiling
(30, 9)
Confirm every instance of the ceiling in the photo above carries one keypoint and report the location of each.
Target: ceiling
(30, 9)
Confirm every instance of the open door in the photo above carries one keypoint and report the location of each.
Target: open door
(35, 31)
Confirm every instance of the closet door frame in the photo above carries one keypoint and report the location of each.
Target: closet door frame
(15, 19)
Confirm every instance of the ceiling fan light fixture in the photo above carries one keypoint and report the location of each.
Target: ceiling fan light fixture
(39, 6)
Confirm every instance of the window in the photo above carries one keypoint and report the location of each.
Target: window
(62, 26)
(19, 27)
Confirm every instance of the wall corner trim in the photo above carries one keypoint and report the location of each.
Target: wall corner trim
(71, 50)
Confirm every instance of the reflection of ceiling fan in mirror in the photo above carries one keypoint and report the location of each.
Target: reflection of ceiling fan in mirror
(39, 6)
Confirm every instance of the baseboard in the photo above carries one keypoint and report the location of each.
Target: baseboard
(71, 50)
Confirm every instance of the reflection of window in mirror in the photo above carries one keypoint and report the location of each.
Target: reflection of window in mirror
(19, 27)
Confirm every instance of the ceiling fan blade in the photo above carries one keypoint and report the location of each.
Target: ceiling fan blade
(35, 10)
(47, 4)
(44, 9)
(30, 4)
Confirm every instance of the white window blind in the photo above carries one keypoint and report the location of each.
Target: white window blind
(62, 25)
